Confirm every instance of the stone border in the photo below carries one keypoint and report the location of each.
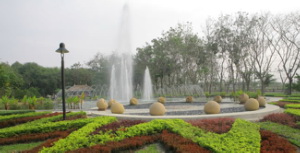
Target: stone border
(247, 115)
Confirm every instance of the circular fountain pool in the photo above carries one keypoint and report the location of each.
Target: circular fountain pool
(188, 111)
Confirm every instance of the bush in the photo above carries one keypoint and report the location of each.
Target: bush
(273, 143)
(281, 118)
(11, 112)
(292, 111)
(217, 125)
(293, 135)
(292, 106)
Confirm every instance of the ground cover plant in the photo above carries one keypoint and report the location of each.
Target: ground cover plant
(274, 133)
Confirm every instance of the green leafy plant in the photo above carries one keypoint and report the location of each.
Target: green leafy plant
(292, 111)
(14, 116)
(293, 135)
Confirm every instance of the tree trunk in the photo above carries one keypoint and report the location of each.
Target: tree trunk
(290, 86)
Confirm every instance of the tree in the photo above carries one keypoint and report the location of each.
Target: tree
(261, 54)
(286, 44)
(9, 80)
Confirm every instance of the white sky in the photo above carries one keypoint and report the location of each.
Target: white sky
(31, 30)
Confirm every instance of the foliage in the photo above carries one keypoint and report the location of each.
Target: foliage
(116, 125)
(291, 100)
(292, 106)
(18, 147)
(177, 143)
(78, 138)
(9, 80)
(293, 135)
(292, 111)
(13, 122)
(273, 143)
(150, 148)
(44, 125)
(10, 112)
(15, 116)
(218, 125)
(281, 118)
(34, 137)
(274, 94)
(243, 136)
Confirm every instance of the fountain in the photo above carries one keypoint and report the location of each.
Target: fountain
(147, 90)
(121, 72)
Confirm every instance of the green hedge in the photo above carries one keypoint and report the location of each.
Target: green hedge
(292, 106)
(244, 136)
(293, 135)
(80, 137)
(292, 111)
(15, 116)
(36, 126)
(290, 100)
(11, 112)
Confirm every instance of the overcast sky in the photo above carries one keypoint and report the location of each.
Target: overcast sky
(31, 30)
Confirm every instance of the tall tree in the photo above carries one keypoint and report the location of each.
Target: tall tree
(286, 44)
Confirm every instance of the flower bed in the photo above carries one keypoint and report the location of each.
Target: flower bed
(107, 134)
(25, 119)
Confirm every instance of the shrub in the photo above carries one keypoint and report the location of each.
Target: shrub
(292, 111)
(11, 112)
(177, 143)
(292, 106)
(273, 143)
(293, 135)
(217, 125)
(30, 114)
(281, 118)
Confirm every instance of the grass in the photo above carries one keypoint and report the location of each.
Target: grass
(152, 148)
(18, 147)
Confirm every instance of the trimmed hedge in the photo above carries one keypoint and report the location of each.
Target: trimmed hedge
(244, 136)
(292, 106)
(15, 116)
(44, 125)
(292, 111)
(80, 137)
(10, 112)
(293, 135)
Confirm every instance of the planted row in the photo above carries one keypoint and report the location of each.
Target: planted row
(243, 136)
(292, 106)
(292, 111)
(80, 137)
(25, 120)
(273, 143)
(293, 135)
(15, 116)
(10, 112)
(44, 125)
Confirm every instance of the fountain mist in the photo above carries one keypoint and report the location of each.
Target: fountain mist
(147, 90)
(121, 72)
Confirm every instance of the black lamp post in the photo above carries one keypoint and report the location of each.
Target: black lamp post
(62, 50)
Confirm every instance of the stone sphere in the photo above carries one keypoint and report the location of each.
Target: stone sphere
(189, 99)
(133, 101)
(251, 104)
(102, 104)
(117, 108)
(261, 101)
(243, 98)
(161, 100)
(212, 107)
(218, 99)
(111, 102)
(157, 109)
